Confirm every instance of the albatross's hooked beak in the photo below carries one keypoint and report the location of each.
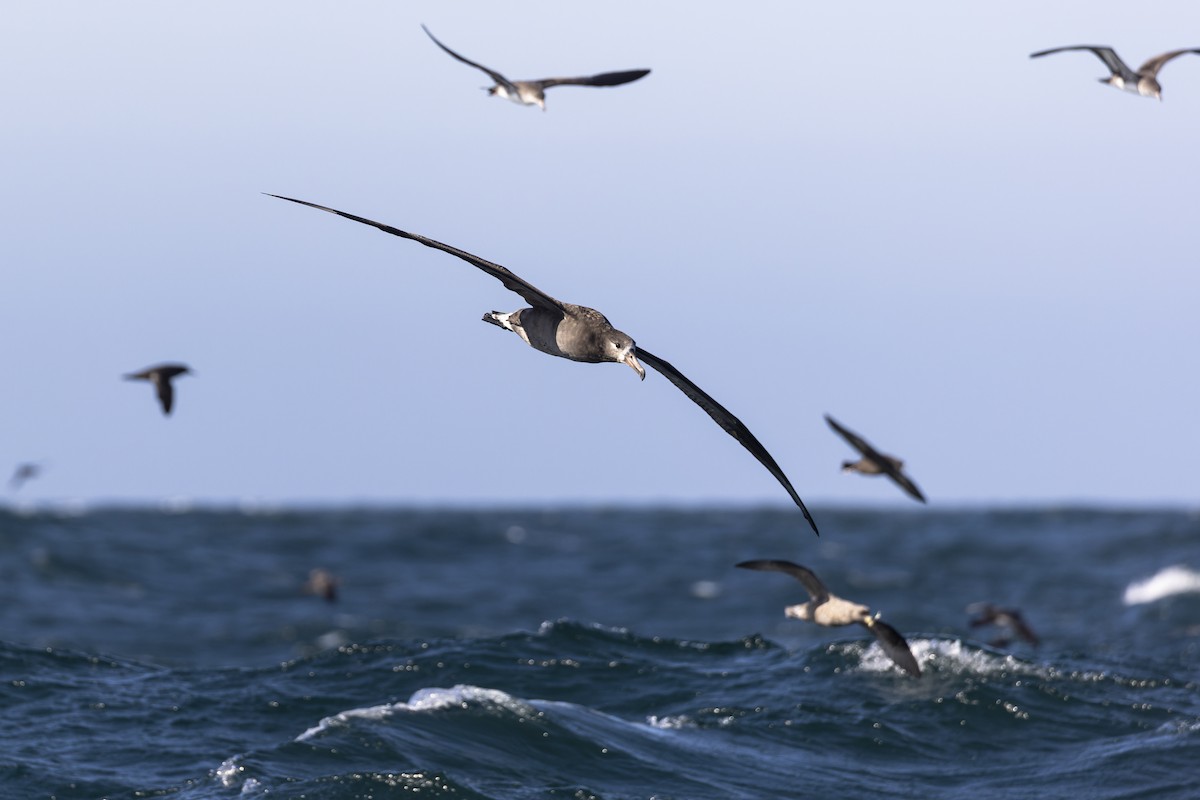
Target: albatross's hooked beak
(632, 361)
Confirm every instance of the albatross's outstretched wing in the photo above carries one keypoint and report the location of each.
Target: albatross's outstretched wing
(603, 79)
(532, 295)
(1105, 54)
(728, 422)
(496, 76)
(816, 589)
(857, 442)
(1153, 65)
(886, 463)
(894, 645)
(906, 484)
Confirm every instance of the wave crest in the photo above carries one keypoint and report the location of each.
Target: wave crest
(1176, 579)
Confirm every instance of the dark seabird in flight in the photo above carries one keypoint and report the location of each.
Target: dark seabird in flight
(874, 462)
(584, 334)
(161, 376)
(22, 473)
(1143, 82)
(1009, 619)
(533, 93)
(830, 610)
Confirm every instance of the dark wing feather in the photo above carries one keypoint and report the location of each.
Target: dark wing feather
(166, 395)
(513, 283)
(1022, 628)
(1152, 66)
(887, 465)
(1105, 54)
(728, 422)
(894, 645)
(905, 483)
(857, 442)
(496, 76)
(603, 79)
(806, 576)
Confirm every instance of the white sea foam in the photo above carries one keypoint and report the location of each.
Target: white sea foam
(426, 701)
(230, 772)
(671, 723)
(950, 655)
(1176, 579)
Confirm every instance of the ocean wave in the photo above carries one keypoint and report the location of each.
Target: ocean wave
(1176, 579)
(430, 701)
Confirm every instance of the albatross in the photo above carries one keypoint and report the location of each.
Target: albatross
(1143, 82)
(584, 334)
(161, 376)
(533, 93)
(826, 608)
(874, 462)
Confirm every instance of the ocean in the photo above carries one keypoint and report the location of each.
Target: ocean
(594, 652)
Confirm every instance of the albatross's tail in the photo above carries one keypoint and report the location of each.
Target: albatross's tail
(499, 319)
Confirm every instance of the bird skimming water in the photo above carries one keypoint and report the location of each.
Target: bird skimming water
(825, 608)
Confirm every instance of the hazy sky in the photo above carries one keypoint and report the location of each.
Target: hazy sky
(984, 263)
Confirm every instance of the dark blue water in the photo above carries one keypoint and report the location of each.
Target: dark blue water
(593, 653)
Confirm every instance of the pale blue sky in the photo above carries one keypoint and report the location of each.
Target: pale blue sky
(888, 212)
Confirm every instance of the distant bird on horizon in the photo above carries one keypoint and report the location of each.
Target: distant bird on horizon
(24, 472)
(583, 334)
(533, 93)
(827, 609)
(323, 583)
(161, 376)
(1009, 619)
(874, 462)
(1144, 82)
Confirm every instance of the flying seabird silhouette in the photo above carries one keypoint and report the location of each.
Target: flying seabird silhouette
(874, 462)
(161, 376)
(1008, 618)
(584, 334)
(22, 473)
(1144, 82)
(825, 608)
(533, 93)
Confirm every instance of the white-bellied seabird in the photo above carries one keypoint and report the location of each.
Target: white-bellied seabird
(874, 462)
(1143, 82)
(825, 608)
(1010, 619)
(161, 376)
(584, 334)
(22, 473)
(533, 93)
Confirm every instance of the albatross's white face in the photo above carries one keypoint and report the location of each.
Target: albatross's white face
(800, 611)
(622, 351)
